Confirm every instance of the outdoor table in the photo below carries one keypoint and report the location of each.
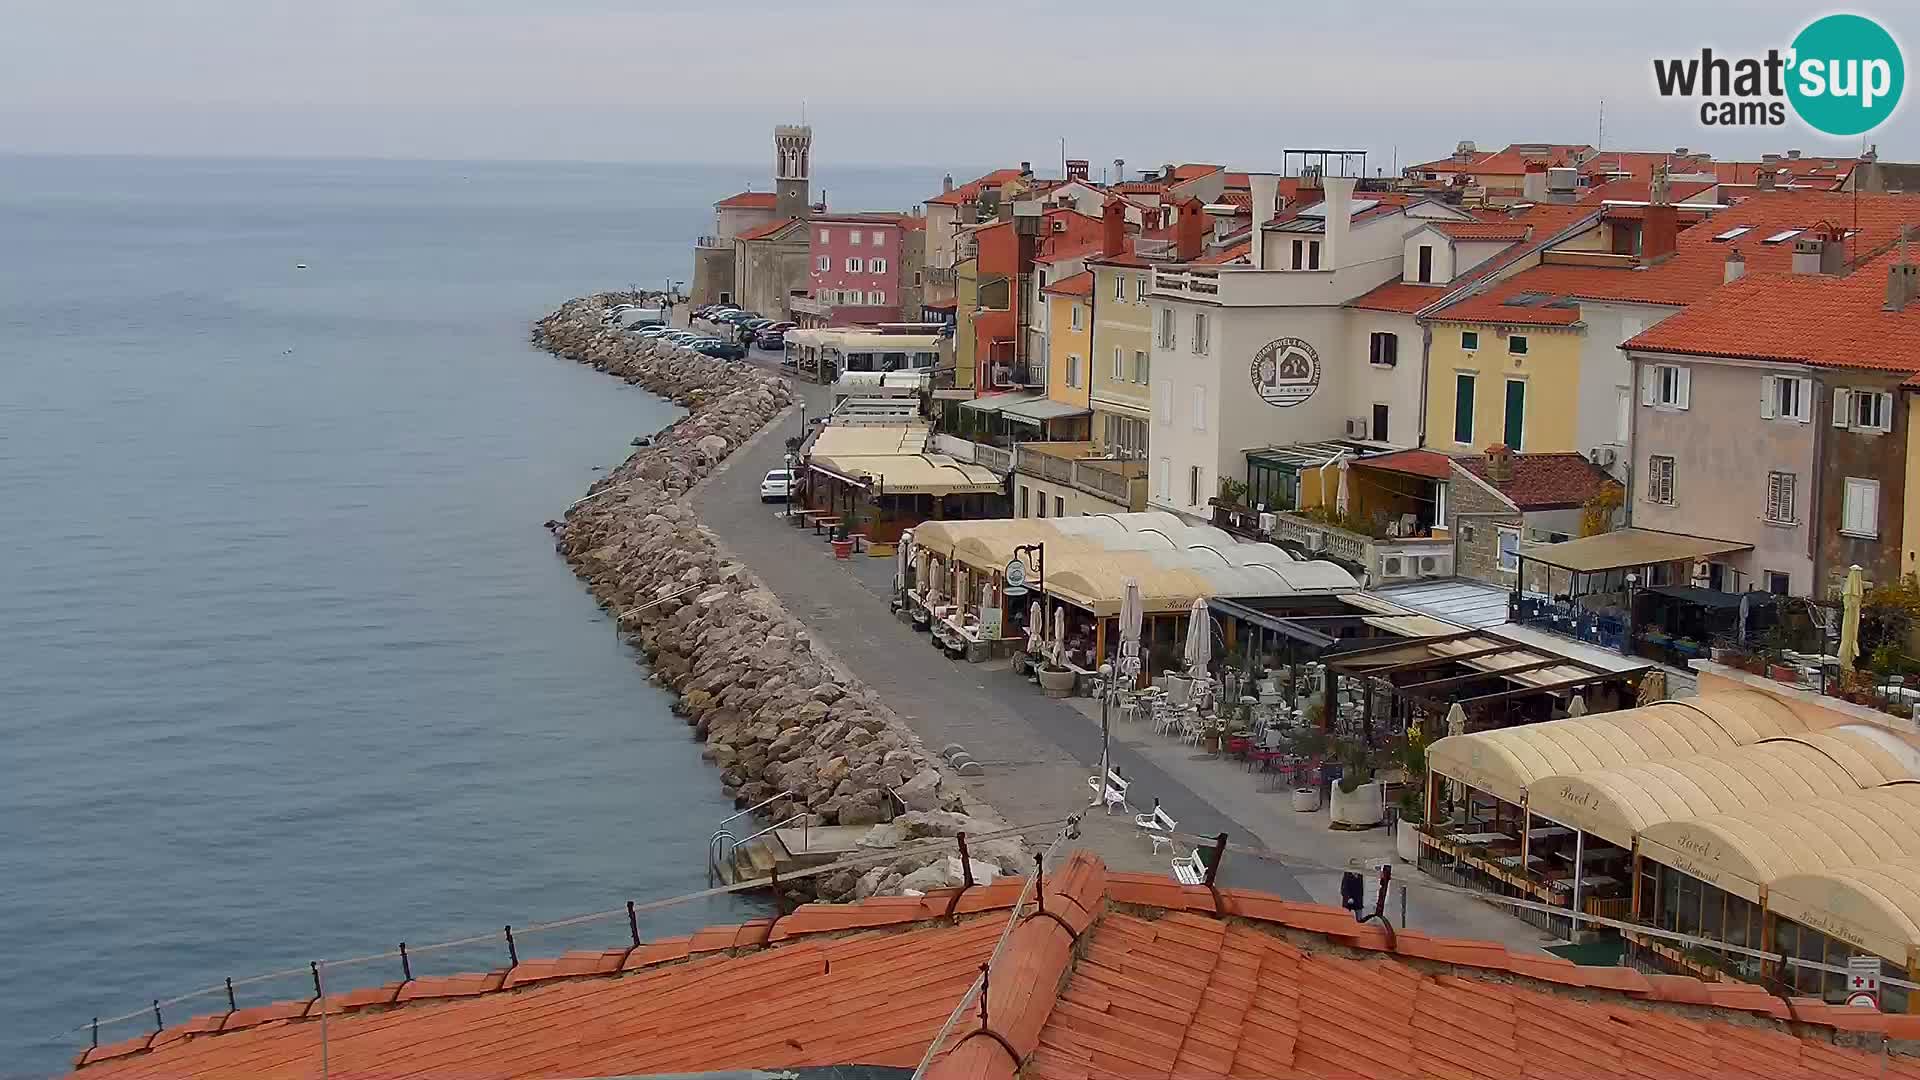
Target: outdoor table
(1512, 862)
(1547, 833)
(1591, 881)
(1475, 837)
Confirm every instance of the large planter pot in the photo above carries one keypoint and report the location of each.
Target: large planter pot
(1406, 842)
(1306, 800)
(1056, 683)
(1783, 673)
(1363, 808)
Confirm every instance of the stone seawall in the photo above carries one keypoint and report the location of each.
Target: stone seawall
(776, 710)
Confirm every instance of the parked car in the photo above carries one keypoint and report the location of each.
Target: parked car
(771, 338)
(775, 485)
(725, 350)
(651, 331)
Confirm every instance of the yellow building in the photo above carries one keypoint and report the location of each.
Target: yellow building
(1514, 383)
(966, 287)
(1070, 304)
(1119, 356)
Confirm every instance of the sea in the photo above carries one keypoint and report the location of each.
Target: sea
(289, 669)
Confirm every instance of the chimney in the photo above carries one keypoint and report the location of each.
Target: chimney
(1119, 169)
(1076, 168)
(1765, 180)
(1166, 171)
(1337, 201)
(946, 184)
(1026, 168)
(1660, 232)
(1113, 228)
(1464, 151)
(1190, 231)
(1793, 155)
(1499, 463)
(1903, 279)
(1265, 188)
(1769, 159)
(1533, 186)
(1736, 266)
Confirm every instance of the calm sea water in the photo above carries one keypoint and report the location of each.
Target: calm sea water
(289, 669)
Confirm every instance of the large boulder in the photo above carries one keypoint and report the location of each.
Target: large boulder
(922, 792)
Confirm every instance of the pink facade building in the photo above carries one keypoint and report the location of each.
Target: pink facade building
(855, 268)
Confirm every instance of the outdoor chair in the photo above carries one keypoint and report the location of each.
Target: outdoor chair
(1157, 824)
(1190, 870)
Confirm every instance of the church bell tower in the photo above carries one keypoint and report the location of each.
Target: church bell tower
(792, 165)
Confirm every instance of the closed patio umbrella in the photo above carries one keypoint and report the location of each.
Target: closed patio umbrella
(902, 559)
(1199, 638)
(1131, 615)
(1060, 634)
(1456, 720)
(1036, 627)
(1854, 593)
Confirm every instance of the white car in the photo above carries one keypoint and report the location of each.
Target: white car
(775, 485)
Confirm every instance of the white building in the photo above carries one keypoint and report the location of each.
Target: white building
(1268, 352)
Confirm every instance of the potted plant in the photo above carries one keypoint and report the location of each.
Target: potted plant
(1406, 835)
(1055, 680)
(1359, 801)
(1306, 748)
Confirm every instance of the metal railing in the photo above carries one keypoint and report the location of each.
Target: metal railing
(993, 458)
(711, 241)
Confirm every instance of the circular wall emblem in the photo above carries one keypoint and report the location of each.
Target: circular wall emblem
(1286, 372)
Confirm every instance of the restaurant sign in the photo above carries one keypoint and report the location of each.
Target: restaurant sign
(1016, 578)
(1285, 372)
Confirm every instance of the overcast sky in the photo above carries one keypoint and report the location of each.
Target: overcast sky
(885, 81)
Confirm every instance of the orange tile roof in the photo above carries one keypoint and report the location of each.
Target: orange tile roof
(1491, 306)
(1080, 284)
(767, 230)
(1820, 319)
(1508, 162)
(1544, 481)
(1226, 255)
(1194, 171)
(972, 188)
(1485, 230)
(1428, 463)
(1642, 190)
(1125, 975)
(1396, 295)
(1698, 266)
(747, 200)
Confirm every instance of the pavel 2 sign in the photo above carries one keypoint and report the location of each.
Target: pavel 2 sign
(1286, 372)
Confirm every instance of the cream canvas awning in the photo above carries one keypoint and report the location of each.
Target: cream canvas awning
(1625, 548)
(1506, 762)
(1617, 804)
(1746, 851)
(911, 474)
(848, 440)
(1875, 908)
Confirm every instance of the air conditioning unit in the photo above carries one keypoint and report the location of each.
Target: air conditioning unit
(1393, 566)
(1603, 456)
(1356, 427)
(1314, 541)
(1428, 564)
(1002, 377)
(1267, 523)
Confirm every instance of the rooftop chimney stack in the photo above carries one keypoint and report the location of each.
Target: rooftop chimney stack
(1076, 168)
(1819, 252)
(1660, 232)
(1337, 201)
(1026, 168)
(1793, 155)
(1533, 185)
(1499, 463)
(1265, 190)
(1736, 266)
(1903, 278)
(1113, 228)
(1765, 180)
(1190, 231)
(946, 184)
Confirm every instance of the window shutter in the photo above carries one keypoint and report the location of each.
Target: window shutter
(1166, 406)
(1684, 386)
(1886, 411)
(1803, 405)
(1767, 391)
(1649, 383)
(1842, 406)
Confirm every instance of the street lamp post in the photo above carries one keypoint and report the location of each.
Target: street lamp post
(789, 486)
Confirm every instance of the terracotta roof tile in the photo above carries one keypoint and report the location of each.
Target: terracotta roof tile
(1428, 463)
(1080, 284)
(1127, 975)
(972, 188)
(1403, 296)
(1558, 481)
(748, 200)
(770, 229)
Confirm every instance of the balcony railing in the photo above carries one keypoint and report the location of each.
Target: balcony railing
(715, 242)
(1380, 560)
(941, 277)
(992, 457)
(1114, 479)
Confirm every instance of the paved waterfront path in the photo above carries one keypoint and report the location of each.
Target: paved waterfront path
(1038, 751)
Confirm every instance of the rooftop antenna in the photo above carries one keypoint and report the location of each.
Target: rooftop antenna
(803, 110)
(1601, 139)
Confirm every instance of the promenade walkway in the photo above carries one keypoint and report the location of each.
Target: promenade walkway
(1037, 752)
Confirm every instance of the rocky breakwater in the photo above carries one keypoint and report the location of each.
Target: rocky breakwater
(777, 712)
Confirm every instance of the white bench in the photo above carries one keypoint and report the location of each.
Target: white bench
(1157, 824)
(1114, 792)
(1190, 870)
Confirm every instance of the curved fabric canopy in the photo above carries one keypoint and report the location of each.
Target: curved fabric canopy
(1089, 558)
(1617, 804)
(1875, 908)
(1505, 763)
(1744, 851)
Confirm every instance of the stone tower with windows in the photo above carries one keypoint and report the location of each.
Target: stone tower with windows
(792, 166)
